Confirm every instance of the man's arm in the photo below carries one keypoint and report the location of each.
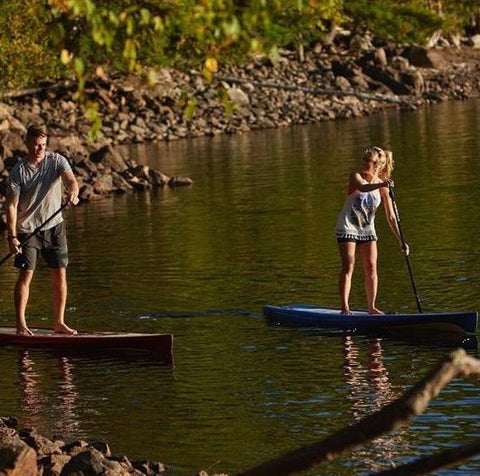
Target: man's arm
(12, 205)
(71, 184)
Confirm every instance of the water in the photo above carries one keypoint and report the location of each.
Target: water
(199, 262)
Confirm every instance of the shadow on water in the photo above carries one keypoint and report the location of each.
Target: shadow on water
(226, 313)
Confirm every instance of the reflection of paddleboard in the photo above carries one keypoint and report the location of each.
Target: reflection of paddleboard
(46, 338)
(305, 315)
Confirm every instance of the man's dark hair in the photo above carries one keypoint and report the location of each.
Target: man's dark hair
(35, 131)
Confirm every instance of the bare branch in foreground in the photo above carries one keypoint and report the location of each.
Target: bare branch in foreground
(398, 413)
(436, 461)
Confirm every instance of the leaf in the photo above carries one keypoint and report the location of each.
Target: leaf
(78, 66)
(65, 57)
(211, 65)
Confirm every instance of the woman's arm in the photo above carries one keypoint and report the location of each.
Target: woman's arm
(357, 182)
(392, 219)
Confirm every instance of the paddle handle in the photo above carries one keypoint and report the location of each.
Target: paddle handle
(404, 245)
(34, 232)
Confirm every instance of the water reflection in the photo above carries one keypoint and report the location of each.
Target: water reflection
(49, 394)
(370, 389)
(67, 420)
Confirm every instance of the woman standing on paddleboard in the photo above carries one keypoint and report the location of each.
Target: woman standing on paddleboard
(356, 224)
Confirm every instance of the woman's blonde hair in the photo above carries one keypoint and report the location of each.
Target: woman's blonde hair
(384, 160)
(387, 168)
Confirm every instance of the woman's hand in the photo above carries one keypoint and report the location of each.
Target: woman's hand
(389, 183)
(405, 248)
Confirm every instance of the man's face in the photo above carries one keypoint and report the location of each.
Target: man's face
(36, 148)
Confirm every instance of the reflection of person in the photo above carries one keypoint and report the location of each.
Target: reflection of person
(356, 223)
(34, 195)
(370, 390)
(34, 403)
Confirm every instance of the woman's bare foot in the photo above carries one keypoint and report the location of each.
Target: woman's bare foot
(24, 331)
(347, 312)
(64, 329)
(375, 311)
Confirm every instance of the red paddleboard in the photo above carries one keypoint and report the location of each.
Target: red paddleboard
(161, 344)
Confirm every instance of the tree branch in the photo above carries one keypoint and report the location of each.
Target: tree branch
(396, 414)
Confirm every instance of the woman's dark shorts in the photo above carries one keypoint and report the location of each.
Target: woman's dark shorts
(353, 240)
(51, 244)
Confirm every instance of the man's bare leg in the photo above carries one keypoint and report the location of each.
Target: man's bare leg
(59, 294)
(22, 292)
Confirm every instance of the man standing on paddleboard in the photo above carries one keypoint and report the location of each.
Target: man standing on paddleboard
(34, 197)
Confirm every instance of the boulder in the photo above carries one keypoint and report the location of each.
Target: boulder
(424, 58)
(108, 156)
(91, 462)
(17, 458)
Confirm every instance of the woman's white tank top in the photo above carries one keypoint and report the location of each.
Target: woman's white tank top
(357, 218)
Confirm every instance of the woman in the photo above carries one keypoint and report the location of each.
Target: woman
(356, 223)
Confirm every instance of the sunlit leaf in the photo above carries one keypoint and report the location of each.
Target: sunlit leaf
(65, 57)
(211, 64)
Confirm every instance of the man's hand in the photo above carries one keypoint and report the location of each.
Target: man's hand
(14, 245)
(73, 198)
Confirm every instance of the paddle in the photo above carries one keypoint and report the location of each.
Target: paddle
(402, 239)
(34, 232)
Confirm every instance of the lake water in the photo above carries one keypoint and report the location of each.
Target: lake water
(257, 227)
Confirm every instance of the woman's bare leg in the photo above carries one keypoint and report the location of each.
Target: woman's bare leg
(347, 254)
(368, 255)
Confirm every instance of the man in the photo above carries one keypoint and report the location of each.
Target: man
(34, 195)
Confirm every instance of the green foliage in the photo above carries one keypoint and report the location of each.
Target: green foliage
(42, 39)
(408, 21)
(46, 39)
(26, 53)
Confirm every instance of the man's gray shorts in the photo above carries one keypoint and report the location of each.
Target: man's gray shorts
(51, 244)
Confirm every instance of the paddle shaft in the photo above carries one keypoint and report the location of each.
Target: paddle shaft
(402, 239)
(34, 232)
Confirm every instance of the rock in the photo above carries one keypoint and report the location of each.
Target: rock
(423, 58)
(12, 145)
(17, 458)
(120, 184)
(179, 181)
(474, 41)
(103, 184)
(343, 83)
(158, 178)
(107, 155)
(237, 95)
(91, 462)
(38, 442)
(101, 446)
(69, 145)
(52, 465)
(10, 421)
(87, 192)
(387, 77)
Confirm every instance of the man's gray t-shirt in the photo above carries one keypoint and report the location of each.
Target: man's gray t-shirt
(39, 190)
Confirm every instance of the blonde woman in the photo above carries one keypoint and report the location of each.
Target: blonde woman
(367, 188)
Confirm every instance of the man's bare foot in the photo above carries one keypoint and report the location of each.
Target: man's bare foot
(24, 331)
(375, 311)
(64, 329)
(347, 312)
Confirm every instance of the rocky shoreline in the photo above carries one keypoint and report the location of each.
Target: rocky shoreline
(27, 453)
(330, 83)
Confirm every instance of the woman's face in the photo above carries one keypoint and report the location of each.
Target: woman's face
(372, 164)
